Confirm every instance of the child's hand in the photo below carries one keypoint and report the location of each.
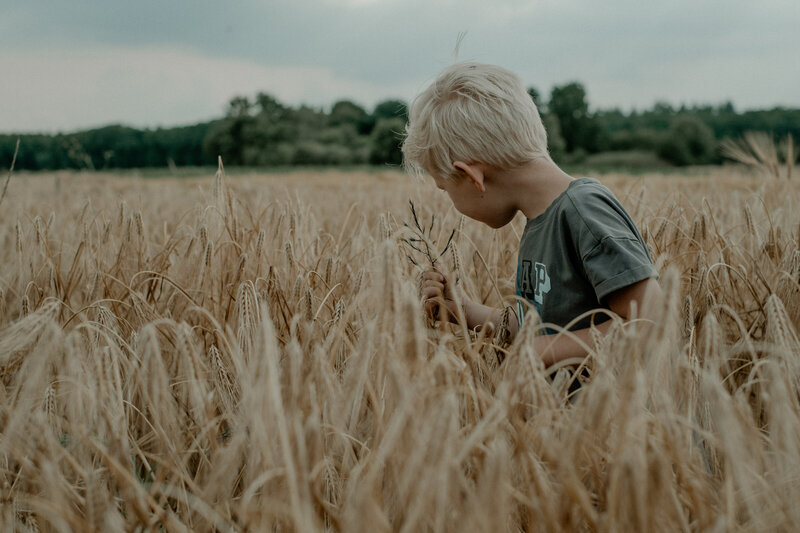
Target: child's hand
(437, 295)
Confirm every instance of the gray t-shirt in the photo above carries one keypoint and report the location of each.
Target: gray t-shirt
(581, 249)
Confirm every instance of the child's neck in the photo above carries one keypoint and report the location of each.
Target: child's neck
(536, 185)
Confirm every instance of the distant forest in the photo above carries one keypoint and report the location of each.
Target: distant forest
(262, 131)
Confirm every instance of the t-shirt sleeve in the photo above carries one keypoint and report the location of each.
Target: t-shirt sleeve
(611, 249)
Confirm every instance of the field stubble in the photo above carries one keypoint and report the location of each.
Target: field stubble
(250, 354)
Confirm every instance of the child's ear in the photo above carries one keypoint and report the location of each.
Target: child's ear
(473, 172)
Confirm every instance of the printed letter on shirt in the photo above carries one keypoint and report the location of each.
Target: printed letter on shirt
(542, 283)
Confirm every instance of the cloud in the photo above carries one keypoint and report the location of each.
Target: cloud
(86, 62)
(155, 86)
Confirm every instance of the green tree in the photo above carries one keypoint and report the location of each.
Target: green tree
(688, 141)
(390, 109)
(270, 108)
(555, 142)
(537, 99)
(347, 112)
(231, 136)
(385, 141)
(270, 134)
(239, 106)
(578, 127)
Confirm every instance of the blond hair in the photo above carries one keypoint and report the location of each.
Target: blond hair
(475, 113)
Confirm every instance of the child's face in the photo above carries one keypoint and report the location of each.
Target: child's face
(484, 206)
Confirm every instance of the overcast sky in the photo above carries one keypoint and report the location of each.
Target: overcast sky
(148, 63)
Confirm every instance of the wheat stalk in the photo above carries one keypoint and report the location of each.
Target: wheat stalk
(10, 171)
(422, 241)
(246, 399)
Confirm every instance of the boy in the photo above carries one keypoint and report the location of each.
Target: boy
(477, 132)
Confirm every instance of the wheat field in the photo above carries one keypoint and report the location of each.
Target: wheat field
(249, 353)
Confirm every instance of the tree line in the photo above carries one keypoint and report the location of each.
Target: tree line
(262, 131)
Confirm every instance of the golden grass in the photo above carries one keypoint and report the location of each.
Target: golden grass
(249, 354)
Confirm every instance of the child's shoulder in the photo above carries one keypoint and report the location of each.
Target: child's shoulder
(582, 195)
(586, 195)
(588, 188)
(597, 212)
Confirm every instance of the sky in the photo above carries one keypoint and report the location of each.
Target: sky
(73, 65)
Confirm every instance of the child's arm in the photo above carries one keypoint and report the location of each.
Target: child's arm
(643, 295)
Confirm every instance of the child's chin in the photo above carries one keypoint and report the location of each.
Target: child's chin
(498, 223)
